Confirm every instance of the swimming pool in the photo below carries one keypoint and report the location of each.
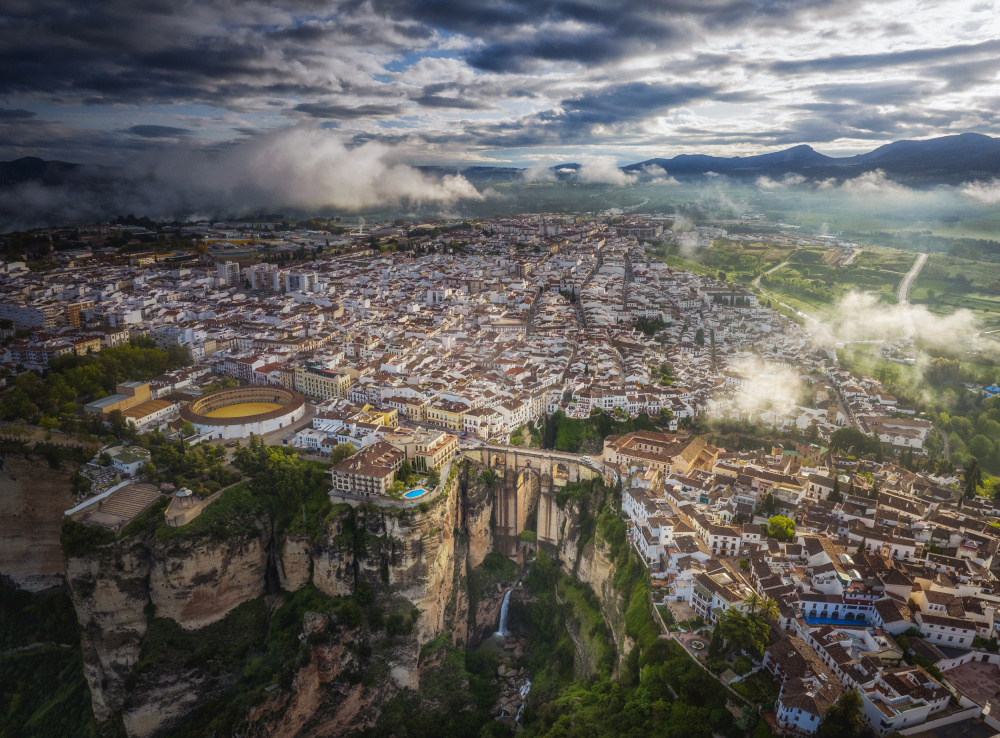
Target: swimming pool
(836, 621)
(418, 492)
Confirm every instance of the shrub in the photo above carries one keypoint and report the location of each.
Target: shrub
(79, 540)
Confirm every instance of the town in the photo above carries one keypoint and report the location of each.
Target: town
(391, 351)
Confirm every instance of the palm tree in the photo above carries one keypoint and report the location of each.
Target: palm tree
(769, 608)
(751, 603)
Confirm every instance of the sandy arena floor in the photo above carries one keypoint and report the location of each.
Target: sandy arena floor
(243, 409)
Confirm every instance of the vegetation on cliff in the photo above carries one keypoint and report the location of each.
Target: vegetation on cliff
(42, 688)
(454, 699)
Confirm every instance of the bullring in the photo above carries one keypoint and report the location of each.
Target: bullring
(242, 411)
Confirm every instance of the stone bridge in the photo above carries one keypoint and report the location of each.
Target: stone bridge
(525, 498)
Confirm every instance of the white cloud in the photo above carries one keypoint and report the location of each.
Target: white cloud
(985, 193)
(604, 170)
(539, 173)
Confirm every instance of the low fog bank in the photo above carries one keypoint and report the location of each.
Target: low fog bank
(298, 168)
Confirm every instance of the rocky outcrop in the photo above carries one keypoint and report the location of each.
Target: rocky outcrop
(589, 562)
(195, 582)
(33, 497)
(295, 563)
(110, 591)
(478, 521)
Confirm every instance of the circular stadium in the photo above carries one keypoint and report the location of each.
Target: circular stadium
(242, 411)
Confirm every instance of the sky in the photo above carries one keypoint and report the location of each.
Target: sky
(494, 82)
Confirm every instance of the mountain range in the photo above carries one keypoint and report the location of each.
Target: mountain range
(944, 160)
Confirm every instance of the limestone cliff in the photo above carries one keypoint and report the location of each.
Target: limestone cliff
(118, 587)
(33, 497)
(587, 559)
(196, 581)
(110, 591)
(432, 567)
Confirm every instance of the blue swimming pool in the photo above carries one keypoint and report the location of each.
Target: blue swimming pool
(836, 621)
(415, 493)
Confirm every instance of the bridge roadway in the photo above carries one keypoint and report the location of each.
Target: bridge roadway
(538, 453)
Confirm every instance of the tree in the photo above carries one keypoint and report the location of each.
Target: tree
(488, 477)
(853, 441)
(835, 495)
(769, 506)
(744, 631)
(751, 603)
(781, 528)
(48, 423)
(404, 472)
(973, 479)
(188, 429)
(843, 718)
(699, 337)
(715, 645)
(342, 451)
(769, 609)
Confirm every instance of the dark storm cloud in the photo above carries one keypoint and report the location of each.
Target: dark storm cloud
(445, 102)
(216, 52)
(333, 111)
(899, 92)
(869, 62)
(576, 118)
(149, 131)
(520, 34)
(15, 114)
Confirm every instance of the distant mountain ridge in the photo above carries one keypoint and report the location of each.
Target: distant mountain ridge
(33, 169)
(947, 159)
(943, 160)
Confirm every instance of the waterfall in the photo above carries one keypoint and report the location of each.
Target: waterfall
(502, 630)
(525, 688)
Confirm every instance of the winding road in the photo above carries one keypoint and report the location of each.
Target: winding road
(904, 286)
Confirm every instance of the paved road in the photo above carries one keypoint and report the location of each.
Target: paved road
(904, 286)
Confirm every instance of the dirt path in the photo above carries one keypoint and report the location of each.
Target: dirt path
(904, 287)
(776, 267)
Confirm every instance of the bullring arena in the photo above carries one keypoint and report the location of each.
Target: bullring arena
(242, 411)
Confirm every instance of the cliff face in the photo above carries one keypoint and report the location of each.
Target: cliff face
(33, 497)
(415, 562)
(591, 564)
(410, 560)
(478, 521)
(411, 553)
(196, 582)
(110, 592)
(117, 590)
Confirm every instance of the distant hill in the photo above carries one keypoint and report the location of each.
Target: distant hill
(33, 169)
(945, 160)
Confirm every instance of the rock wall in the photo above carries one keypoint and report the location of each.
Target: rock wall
(196, 582)
(33, 497)
(478, 520)
(110, 591)
(592, 565)
(121, 586)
